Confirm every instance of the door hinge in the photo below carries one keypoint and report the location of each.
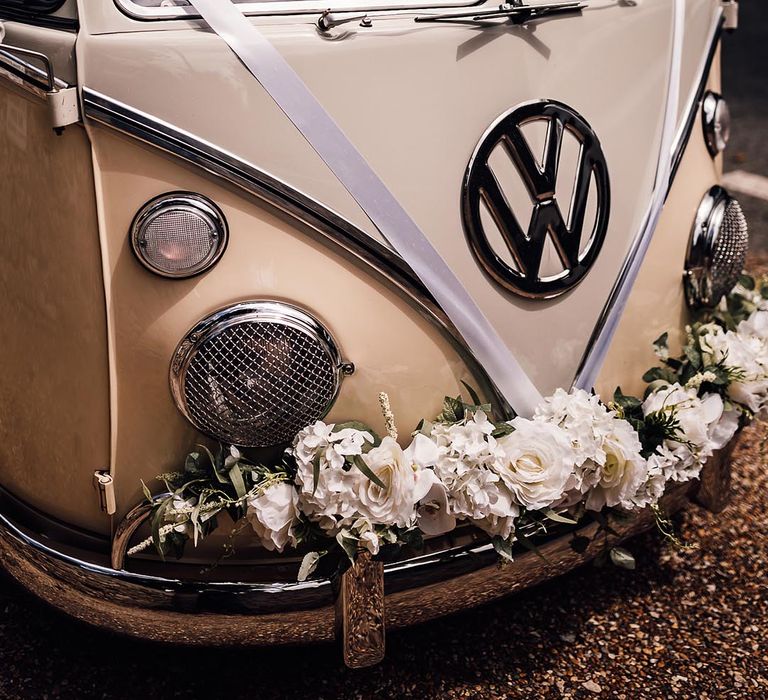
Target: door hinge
(730, 14)
(105, 485)
(63, 107)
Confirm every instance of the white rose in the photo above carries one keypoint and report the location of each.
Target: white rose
(272, 515)
(700, 427)
(394, 504)
(535, 462)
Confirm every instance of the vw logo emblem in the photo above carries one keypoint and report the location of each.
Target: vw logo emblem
(548, 250)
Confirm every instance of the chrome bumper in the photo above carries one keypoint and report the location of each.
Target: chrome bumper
(257, 614)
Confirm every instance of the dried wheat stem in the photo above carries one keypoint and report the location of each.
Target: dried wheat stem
(389, 416)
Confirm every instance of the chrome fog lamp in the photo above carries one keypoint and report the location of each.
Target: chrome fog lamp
(179, 234)
(256, 373)
(716, 118)
(716, 249)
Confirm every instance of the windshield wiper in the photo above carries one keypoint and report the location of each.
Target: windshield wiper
(515, 11)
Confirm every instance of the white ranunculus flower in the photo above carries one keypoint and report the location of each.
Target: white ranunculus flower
(535, 462)
(272, 514)
(745, 351)
(700, 428)
(624, 471)
(395, 503)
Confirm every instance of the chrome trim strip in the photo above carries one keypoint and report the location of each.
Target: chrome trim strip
(695, 101)
(289, 7)
(344, 235)
(596, 349)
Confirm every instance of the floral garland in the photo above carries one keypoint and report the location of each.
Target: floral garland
(341, 488)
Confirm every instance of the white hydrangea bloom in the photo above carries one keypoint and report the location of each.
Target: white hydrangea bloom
(466, 467)
(334, 499)
(348, 503)
(652, 489)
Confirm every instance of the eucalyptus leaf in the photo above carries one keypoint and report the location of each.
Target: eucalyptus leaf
(315, 473)
(348, 545)
(158, 518)
(558, 518)
(747, 281)
(309, 564)
(145, 489)
(502, 429)
(531, 547)
(503, 548)
(236, 477)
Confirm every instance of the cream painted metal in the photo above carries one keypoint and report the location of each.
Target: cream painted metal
(54, 412)
(393, 348)
(417, 128)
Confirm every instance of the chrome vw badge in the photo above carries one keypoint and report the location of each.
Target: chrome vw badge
(536, 224)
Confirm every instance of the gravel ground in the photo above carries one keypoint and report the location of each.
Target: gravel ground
(686, 624)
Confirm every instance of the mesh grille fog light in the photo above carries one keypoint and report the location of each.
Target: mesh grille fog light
(179, 234)
(256, 373)
(716, 118)
(716, 249)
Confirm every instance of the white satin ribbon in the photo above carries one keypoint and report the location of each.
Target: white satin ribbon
(290, 93)
(626, 280)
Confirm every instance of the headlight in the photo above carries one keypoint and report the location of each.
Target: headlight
(256, 373)
(179, 234)
(716, 118)
(716, 249)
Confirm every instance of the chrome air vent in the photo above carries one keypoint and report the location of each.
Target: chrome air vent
(256, 373)
(716, 250)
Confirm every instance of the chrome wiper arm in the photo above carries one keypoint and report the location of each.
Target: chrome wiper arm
(516, 12)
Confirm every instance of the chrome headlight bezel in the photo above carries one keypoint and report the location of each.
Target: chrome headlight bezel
(175, 202)
(711, 270)
(278, 314)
